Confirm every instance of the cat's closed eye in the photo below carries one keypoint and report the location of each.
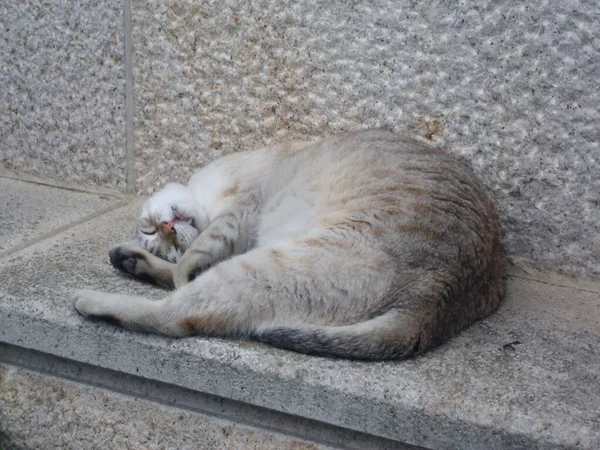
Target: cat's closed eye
(148, 231)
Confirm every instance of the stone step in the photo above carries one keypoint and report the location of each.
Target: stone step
(48, 412)
(476, 392)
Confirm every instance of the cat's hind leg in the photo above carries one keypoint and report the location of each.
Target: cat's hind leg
(135, 261)
(230, 299)
(283, 297)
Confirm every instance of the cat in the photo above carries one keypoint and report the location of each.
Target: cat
(367, 245)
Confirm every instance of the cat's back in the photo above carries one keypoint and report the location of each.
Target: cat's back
(420, 205)
(412, 218)
(378, 167)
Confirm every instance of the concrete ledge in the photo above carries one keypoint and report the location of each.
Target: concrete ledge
(474, 392)
(186, 401)
(42, 412)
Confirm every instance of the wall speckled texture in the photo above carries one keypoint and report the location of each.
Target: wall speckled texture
(512, 87)
(62, 90)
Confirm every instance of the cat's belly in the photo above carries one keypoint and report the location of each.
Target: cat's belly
(285, 217)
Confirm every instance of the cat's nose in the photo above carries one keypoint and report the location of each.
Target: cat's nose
(169, 226)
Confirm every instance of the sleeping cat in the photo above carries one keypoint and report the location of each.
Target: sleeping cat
(366, 245)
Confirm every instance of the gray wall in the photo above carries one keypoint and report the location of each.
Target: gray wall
(62, 89)
(512, 87)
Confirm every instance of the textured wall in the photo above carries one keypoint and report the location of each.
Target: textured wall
(512, 87)
(62, 89)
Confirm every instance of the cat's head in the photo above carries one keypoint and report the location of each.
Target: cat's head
(162, 229)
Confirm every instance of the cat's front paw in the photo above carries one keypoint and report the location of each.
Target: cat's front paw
(95, 305)
(192, 264)
(127, 258)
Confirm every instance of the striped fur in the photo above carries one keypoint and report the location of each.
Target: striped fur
(365, 245)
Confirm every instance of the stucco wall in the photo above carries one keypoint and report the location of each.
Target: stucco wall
(62, 88)
(512, 87)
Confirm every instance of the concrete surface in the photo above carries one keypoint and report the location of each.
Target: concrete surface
(512, 87)
(471, 393)
(186, 400)
(40, 412)
(62, 101)
(32, 210)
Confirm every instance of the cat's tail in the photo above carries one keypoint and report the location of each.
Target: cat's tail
(389, 336)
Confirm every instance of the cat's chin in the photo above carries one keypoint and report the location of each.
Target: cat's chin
(180, 217)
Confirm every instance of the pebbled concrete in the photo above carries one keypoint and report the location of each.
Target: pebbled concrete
(62, 102)
(512, 87)
(472, 393)
(39, 412)
(189, 400)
